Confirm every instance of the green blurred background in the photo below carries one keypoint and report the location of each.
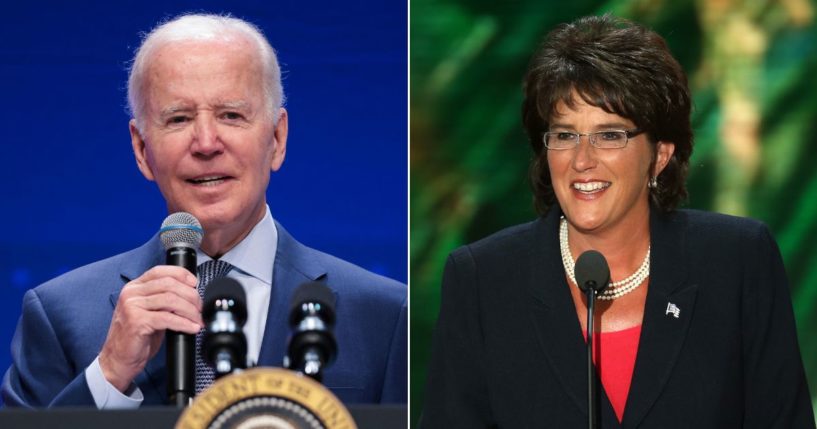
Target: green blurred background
(752, 67)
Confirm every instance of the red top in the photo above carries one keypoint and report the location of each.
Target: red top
(617, 350)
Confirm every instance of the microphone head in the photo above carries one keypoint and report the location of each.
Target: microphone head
(181, 229)
(592, 271)
(311, 345)
(316, 293)
(227, 289)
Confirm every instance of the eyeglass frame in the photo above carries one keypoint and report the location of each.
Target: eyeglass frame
(628, 134)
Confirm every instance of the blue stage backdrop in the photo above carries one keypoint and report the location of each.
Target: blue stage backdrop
(72, 193)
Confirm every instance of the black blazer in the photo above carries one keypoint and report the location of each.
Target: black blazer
(508, 349)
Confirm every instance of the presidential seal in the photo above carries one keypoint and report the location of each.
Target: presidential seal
(268, 398)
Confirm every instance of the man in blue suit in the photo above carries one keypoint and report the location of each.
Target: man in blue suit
(208, 127)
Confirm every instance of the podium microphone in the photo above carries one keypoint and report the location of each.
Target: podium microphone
(311, 345)
(592, 276)
(181, 235)
(224, 314)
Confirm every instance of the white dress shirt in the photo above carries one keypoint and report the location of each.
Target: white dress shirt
(252, 260)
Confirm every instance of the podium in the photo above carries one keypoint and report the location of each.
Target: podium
(366, 417)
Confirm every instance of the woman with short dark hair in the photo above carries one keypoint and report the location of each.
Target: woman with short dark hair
(696, 328)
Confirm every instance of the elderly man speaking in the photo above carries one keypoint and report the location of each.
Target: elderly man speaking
(208, 127)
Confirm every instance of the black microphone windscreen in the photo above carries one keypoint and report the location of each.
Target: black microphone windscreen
(313, 292)
(592, 271)
(225, 287)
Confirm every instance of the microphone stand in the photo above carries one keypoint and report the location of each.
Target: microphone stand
(592, 276)
(592, 405)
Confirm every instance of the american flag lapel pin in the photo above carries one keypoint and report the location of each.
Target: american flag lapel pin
(673, 310)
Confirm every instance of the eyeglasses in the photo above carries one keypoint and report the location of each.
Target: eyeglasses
(608, 139)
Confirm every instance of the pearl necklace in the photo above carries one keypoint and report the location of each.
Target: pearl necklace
(614, 289)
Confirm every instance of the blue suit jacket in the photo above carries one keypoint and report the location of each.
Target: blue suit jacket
(65, 321)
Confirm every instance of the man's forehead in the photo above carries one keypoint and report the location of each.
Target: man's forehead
(211, 66)
(178, 54)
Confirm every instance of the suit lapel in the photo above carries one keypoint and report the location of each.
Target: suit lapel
(553, 315)
(554, 318)
(292, 267)
(662, 333)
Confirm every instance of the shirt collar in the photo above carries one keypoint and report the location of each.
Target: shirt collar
(255, 254)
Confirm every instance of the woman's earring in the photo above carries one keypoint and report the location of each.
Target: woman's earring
(653, 183)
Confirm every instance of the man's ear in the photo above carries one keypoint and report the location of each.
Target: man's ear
(663, 153)
(279, 149)
(140, 150)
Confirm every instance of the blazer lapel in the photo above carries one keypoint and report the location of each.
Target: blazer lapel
(667, 315)
(554, 318)
(292, 267)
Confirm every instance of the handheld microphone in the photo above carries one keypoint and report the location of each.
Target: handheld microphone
(592, 276)
(181, 235)
(312, 344)
(224, 314)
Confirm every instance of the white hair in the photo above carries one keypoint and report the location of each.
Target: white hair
(204, 27)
